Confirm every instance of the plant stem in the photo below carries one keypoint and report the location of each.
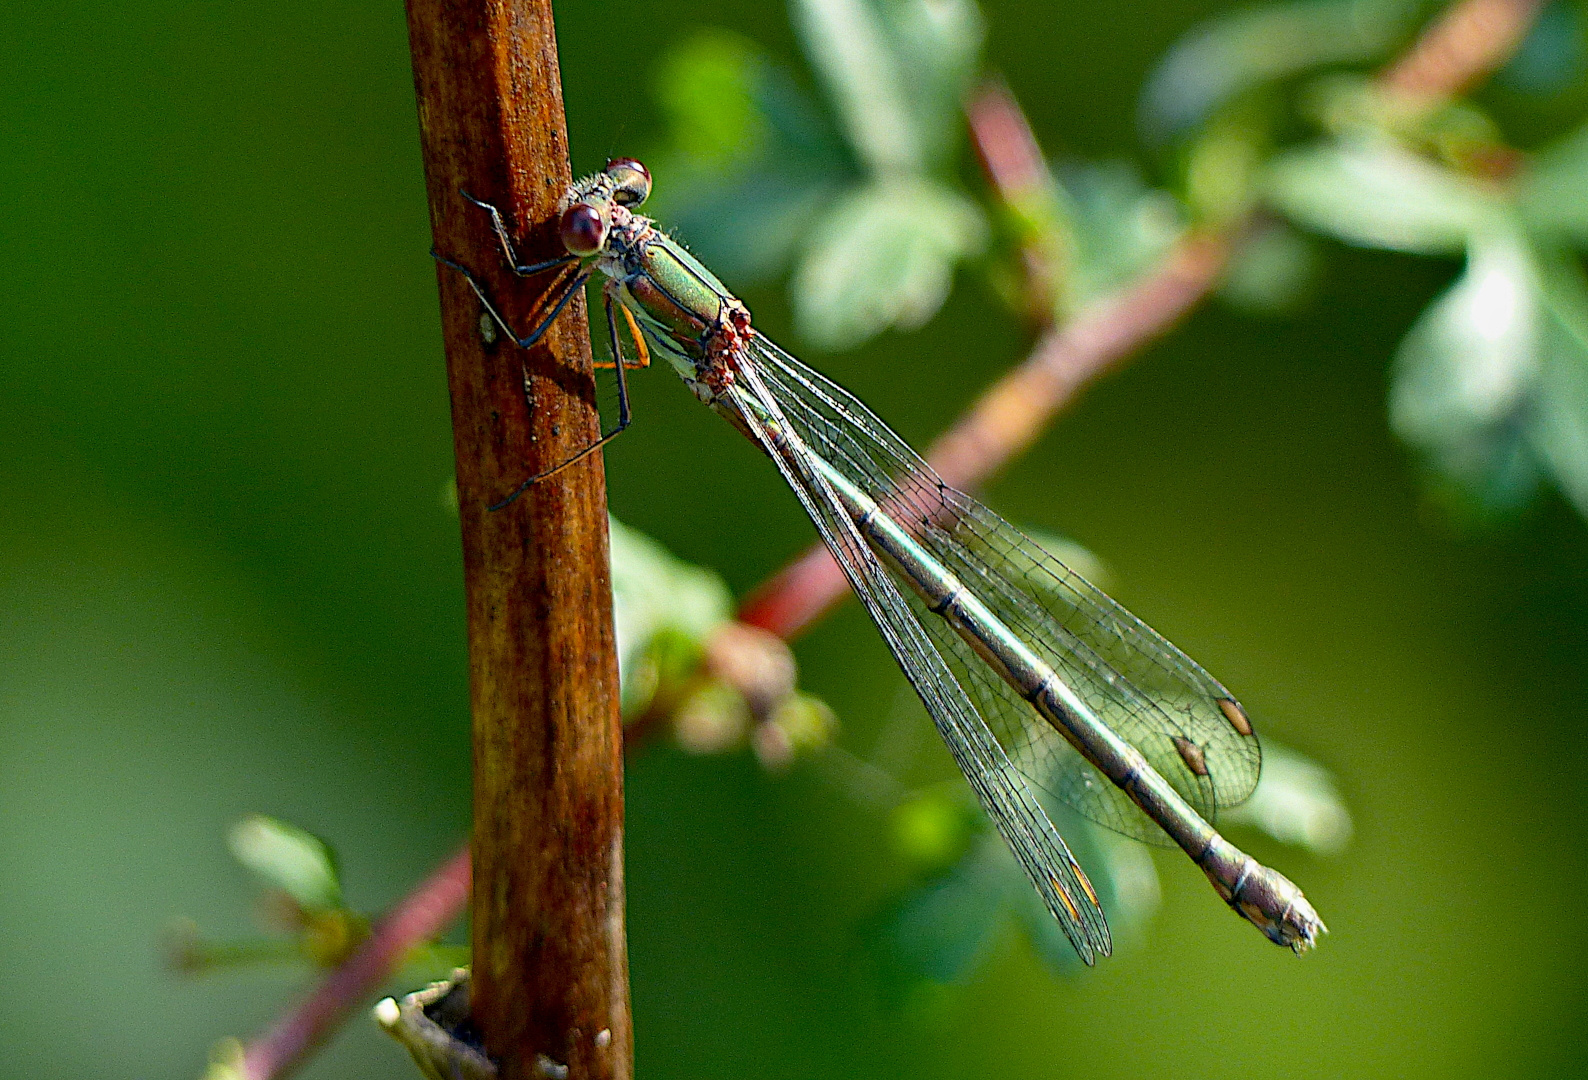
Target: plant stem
(421, 915)
(1468, 42)
(550, 962)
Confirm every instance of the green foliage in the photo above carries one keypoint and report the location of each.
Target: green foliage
(288, 858)
(971, 891)
(1550, 194)
(1232, 54)
(1296, 802)
(1121, 226)
(1273, 272)
(1376, 193)
(1487, 385)
(858, 203)
(664, 609)
(882, 256)
(302, 906)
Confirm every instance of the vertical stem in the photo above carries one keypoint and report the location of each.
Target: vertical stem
(550, 965)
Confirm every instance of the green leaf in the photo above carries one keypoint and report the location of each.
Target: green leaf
(1272, 272)
(1072, 554)
(749, 161)
(1122, 226)
(848, 46)
(289, 858)
(1121, 870)
(1558, 431)
(882, 256)
(938, 45)
(706, 87)
(1296, 802)
(1465, 375)
(1553, 195)
(659, 604)
(1373, 193)
(933, 829)
(1229, 54)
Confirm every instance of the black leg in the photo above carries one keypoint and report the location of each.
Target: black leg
(534, 335)
(507, 243)
(624, 416)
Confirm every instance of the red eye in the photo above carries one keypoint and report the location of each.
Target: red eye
(583, 229)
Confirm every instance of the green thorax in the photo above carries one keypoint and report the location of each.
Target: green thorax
(676, 298)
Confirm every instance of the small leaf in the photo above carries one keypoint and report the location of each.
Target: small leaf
(750, 158)
(1464, 375)
(1121, 870)
(932, 830)
(1272, 272)
(1072, 554)
(706, 87)
(1224, 164)
(659, 603)
(882, 256)
(1296, 802)
(1122, 226)
(1232, 53)
(847, 45)
(1375, 194)
(289, 858)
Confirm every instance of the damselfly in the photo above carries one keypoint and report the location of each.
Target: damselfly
(1033, 677)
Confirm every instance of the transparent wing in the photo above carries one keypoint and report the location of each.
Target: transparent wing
(1188, 726)
(998, 784)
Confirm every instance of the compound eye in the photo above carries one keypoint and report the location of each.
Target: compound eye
(583, 229)
(632, 181)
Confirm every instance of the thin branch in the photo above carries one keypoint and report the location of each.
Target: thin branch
(1014, 166)
(421, 915)
(1470, 41)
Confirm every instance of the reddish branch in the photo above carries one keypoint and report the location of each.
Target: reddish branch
(1470, 40)
(420, 917)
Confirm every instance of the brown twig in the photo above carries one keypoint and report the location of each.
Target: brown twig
(423, 914)
(550, 961)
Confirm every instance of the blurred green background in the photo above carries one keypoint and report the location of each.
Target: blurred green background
(229, 582)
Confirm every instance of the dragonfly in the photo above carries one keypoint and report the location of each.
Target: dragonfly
(1036, 680)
